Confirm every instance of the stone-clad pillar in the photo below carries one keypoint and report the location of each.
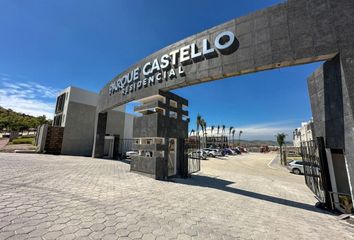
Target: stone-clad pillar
(333, 120)
(100, 132)
(325, 91)
(347, 70)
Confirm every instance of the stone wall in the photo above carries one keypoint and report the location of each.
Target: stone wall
(54, 140)
(161, 125)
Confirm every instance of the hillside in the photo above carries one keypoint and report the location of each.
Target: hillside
(14, 121)
(261, 143)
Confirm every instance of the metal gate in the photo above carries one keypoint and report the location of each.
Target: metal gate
(121, 146)
(316, 169)
(193, 153)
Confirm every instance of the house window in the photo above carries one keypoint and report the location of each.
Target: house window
(60, 103)
(57, 120)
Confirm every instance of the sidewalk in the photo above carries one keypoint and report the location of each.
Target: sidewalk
(3, 142)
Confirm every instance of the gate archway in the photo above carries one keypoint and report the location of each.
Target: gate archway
(291, 33)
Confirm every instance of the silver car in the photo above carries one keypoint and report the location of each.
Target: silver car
(199, 154)
(128, 154)
(296, 167)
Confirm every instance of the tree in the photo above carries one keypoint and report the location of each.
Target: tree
(222, 132)
(233, 137)
(239, 137)
(13, 121)
(199, 121)
(211, 133)
(42, 119)
(203, 125)
(230, 131)
(192, 131)
(218, 130)
(281, 140)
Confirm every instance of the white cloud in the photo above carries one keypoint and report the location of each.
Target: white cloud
(27, 97)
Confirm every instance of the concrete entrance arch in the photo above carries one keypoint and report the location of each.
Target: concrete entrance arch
(291, 33)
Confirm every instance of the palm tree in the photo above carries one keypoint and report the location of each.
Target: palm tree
(233, 137)
(218, 130)
(239, 137)
(205, 131)
(192, 131)
(281, 140)
(199, 121)
(205, 127)
(212, 130)
(222, 132)
(230, 131)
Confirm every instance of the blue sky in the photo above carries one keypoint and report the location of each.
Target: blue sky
(47, 45)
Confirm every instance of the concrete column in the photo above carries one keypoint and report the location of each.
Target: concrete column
(347, 70)
(331, 110)
(326, 97)
(100, 132)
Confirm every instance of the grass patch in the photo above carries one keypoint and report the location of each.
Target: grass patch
(23, 140)
(27, 136)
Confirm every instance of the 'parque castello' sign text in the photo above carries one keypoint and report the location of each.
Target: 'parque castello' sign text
(170, 65)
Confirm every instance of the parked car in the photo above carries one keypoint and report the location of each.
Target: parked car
(128, 154)
(198, 154)
(212, 152)
(296, 167)
(237, 150)
(206, 150)
(215, 152)
(229, 151)
(244, 150)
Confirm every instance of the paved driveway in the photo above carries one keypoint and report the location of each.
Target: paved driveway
(3, 142)
(63, 197)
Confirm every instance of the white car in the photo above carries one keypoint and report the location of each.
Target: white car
(296, 167)
(198, 154)
(209, 152)
(130, 153)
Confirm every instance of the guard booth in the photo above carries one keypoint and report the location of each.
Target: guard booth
(159, 136)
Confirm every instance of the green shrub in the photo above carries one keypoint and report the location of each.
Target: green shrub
(27, 136)
(23, 141)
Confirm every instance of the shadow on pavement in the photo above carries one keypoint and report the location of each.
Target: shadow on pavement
(220, 184)
(127, 161)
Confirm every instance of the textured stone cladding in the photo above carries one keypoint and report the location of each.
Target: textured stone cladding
(332, 93)
(293, 32)
(325, 89)
(54, 140)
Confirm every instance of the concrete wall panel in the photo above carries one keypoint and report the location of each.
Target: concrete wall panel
(79, 129)
(293, 32)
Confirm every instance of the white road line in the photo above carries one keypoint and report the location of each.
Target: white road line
(271, 161)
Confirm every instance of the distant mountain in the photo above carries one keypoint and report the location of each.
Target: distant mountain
(15, 121)
(261, 143)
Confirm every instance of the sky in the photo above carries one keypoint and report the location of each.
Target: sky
(47, 45)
